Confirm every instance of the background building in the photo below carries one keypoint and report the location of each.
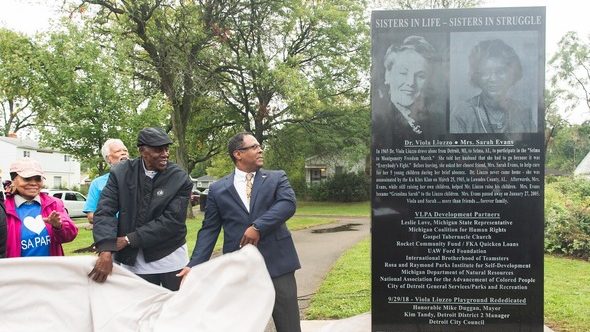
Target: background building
(61, 170)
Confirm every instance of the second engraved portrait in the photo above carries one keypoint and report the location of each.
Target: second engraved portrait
(493, 80)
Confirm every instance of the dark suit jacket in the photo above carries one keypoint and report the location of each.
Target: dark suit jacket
(272, 203)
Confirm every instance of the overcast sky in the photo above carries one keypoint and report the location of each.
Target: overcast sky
(562, 16)
(31, 16)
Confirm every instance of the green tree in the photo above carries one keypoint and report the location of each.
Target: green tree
(554, 121)
(572, 71)
(88, 98)
(293, 62)
(569, 147)
(221, 165)
(425, 4)
(18, 82)
(292, 74)
(344, 137)
(570, 87)
(172, 47)
(272, 63)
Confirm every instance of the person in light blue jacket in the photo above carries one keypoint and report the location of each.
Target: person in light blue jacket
(113, 151)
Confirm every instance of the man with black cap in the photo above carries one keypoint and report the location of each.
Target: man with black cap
(151, 196)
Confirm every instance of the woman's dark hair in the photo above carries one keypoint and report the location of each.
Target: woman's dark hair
(493, 48)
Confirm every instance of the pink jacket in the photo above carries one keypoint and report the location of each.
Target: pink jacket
(67, 232)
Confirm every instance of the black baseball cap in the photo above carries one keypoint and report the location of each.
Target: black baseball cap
(153, 136)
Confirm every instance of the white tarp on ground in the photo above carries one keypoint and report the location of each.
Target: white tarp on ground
(230, 293)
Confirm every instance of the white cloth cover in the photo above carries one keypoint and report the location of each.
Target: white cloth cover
(230, 293)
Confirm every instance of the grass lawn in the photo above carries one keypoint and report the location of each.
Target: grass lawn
(84, 238)
(567, 294)
(297, 222)
(356, 209)
(347, 290)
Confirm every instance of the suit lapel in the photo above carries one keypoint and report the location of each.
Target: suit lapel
(259, 179)
(229, 186)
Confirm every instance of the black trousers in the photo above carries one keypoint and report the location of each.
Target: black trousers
(285, 313)
(167, 280)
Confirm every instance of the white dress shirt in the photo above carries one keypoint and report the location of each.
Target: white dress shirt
(240, 185)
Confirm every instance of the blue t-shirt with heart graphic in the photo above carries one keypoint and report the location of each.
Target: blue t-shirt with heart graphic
(35, 239)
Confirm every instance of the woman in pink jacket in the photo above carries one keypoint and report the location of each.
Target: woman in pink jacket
(37, 224)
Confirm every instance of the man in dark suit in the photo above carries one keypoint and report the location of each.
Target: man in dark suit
(252, 205)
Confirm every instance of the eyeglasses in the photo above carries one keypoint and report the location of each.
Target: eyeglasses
(253, 147)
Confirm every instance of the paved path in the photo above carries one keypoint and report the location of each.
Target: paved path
(320, 247)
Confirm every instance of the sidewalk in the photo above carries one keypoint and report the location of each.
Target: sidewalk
(318, 251)
(360, 323)
(319, 248)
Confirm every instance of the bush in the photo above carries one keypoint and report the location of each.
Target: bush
(318, 192)
(567, 217)
(342, 188)
(300, 187)
(348, 188)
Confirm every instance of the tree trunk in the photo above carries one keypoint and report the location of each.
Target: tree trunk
(179, 130)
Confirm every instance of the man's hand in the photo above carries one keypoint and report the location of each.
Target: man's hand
(53, 219)
(183, 273)
(90, 217)
(251, 236)
(121, 243)
(103, 267)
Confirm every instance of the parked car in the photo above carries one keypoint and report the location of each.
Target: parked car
(73, 201)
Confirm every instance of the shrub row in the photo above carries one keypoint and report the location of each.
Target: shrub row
(567, 208)
(567, 216)
(341, 188)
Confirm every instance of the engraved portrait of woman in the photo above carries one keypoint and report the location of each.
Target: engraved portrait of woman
(404, 106)
(494, 68)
